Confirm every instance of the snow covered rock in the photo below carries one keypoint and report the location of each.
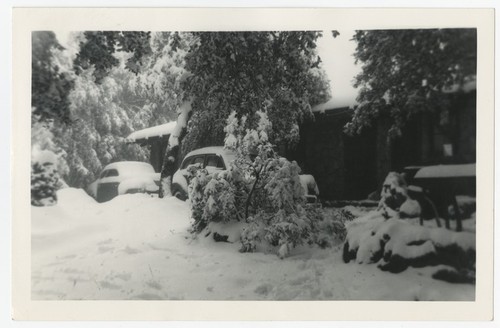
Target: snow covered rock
(398, 244)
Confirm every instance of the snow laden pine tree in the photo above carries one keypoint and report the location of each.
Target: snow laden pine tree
(50, 86)
(47, 163)
(260, 189)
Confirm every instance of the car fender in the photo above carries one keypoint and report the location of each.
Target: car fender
(180, 180)
(92, 189)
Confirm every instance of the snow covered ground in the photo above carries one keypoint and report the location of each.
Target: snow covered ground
(139, 247)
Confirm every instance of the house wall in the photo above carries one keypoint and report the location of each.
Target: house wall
(426, 135)
(348, 167)
(351, 167)
(343, 166)
(157, 147)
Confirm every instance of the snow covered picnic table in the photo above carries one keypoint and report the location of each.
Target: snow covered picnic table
(139, 247)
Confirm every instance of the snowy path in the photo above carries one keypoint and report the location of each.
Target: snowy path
(138, 247)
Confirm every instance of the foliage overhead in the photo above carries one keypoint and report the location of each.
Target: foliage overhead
(107, 110)
(131, 80)
(99, 48)
(106, 113)
(159, 82)
(248, 71)
(49, 86)
(406, 71)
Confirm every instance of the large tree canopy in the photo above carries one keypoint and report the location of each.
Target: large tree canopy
(406, 71)
(159, 81)
(216, 73)
(249, 71)
(242, 71)
(49, 86)
(99, 47)
(107, 109)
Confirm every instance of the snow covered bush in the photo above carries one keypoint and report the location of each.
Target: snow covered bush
(394, 191)
(212, 197)
(260, 189)
(331, 227)
(47, 163)
(279, 215)
(44, 179)
(398, 244)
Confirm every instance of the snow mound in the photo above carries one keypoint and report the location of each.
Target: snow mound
(398, 244)
(143, 183)
(137, 247)
(74, 197)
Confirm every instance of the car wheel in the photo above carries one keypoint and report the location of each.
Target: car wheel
(178, 192)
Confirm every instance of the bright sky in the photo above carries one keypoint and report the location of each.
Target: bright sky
(338, 62)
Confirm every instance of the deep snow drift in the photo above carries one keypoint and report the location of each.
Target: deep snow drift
(139, 247)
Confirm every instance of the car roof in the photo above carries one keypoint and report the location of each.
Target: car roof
(219, 150)
(125, 165)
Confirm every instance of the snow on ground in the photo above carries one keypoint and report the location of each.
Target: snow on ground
(138, 247)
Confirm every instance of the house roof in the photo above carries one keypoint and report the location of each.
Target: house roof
(154, 131)
(349, 101)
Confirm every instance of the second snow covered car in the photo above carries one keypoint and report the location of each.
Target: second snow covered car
(124, 178)
(217, 159)
(211, 158)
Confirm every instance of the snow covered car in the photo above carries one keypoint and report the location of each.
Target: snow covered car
(124, 178)
(211, 158)
(217, 159)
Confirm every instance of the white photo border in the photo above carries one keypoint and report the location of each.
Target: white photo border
(26, 20)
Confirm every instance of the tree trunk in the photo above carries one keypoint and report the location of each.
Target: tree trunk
(172, 153)
(384, 145)
(168, 170)
(249, 198)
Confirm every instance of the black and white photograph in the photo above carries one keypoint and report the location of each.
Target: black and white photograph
(254, 165)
